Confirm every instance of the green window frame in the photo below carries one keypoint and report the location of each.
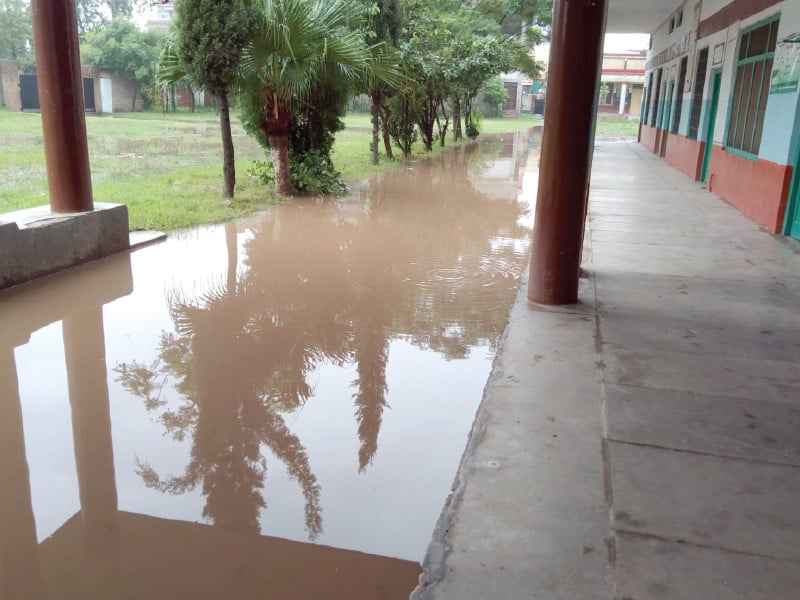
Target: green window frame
(751, 88)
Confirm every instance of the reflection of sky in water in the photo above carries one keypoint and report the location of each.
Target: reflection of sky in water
(390, 508)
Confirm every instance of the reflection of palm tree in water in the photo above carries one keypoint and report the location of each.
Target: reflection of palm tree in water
(229, 408)
(321, 287)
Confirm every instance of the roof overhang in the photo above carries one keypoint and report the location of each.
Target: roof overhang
(639, 16)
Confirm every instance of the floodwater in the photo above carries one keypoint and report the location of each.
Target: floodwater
(272, 408)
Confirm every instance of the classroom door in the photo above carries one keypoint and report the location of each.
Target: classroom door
(712, 119)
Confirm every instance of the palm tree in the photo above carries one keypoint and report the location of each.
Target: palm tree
(302, 49)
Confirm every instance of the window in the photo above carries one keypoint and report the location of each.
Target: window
(676, 122)
(753, 70)
(679, 18)
(697, 97)
(646, 99)
(672, 24)
(655, 95)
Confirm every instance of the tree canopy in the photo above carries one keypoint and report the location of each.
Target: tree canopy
(94, 14)
(125, 50)
(210, 37)
(16, 37)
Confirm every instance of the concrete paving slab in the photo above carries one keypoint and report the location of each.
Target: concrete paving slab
(731, 427)
(651, 569)
(712, 375)
(676, 260)
(140, 239)
(754, 334)
(729, 504)
(528, 518)
(642, 294)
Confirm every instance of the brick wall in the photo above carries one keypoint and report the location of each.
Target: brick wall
(9, 85)
(122, 93)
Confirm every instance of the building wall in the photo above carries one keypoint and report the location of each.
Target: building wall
(756, 185)
(9, 85)
(122, 93)
(685, 154)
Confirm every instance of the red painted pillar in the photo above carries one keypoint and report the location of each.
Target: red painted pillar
(576, 53)
(58, 69)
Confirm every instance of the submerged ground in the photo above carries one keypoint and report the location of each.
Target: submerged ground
(281, 401)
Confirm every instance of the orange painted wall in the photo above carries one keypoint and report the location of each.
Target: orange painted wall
(648, 137)
(685, 155)
(758, 188)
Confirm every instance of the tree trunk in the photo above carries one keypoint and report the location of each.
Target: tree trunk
(191, 97)
(375, 110)
(386, 113)
(228, 163)
(457, 135)
(279, 149)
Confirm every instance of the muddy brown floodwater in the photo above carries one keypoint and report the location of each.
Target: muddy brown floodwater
(272, 408)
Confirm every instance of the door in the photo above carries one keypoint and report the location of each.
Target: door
(29, 91)
(716, 77)
(792, 227)
(88, 94)
(105, 95)
(666, 117)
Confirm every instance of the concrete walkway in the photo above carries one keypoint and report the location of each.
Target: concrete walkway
(644, 443)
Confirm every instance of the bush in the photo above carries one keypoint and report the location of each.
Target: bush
(311, 173)
(474, 120)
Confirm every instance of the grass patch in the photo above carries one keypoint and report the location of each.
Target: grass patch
(616, 127)
(166, 168)
(193, 195)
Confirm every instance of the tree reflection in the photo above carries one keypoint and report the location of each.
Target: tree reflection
(432, 262)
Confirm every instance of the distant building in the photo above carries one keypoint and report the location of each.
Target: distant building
(622, 81)
(159, 16)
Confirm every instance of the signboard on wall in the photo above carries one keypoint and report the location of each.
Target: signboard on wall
(786, 67)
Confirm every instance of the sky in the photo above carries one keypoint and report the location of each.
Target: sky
(614, 42)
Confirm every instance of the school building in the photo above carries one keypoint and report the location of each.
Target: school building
(721, 103)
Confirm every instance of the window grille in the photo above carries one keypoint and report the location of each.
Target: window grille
(749, 103)
(697, 97)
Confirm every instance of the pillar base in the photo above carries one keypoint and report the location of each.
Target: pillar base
(36, 241)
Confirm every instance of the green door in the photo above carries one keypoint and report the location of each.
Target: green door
(712, 119)
(666, 117)
(792, 227)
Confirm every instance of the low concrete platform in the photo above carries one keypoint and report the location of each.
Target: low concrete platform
(643, 443)
(36, 241)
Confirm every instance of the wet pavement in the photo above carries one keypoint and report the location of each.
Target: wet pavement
(641, 444)
(276, 404)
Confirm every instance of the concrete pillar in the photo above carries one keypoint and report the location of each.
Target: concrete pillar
(58, 69)
(84, 349)
(576, 50)
(622, 97)
(20, 575)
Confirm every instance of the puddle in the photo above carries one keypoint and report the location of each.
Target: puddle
(274, 404)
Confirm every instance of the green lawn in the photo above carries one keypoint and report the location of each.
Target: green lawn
(616, 127)
(167, 167)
